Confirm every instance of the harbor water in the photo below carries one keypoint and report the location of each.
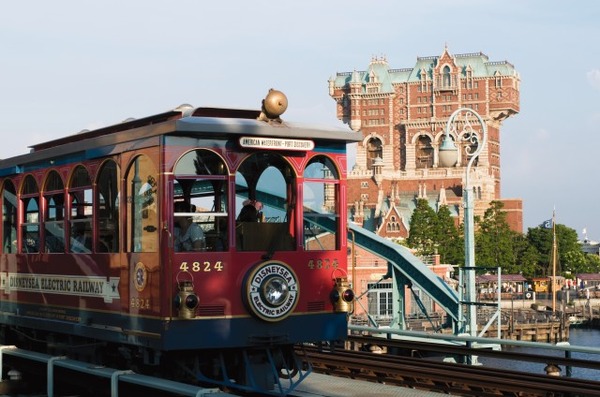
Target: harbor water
(578, 337)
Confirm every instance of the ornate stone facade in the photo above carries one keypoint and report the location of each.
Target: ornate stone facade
(402, 114)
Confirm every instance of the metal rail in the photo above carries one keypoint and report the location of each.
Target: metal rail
(464, 380)
(114, 375)
(457, 350)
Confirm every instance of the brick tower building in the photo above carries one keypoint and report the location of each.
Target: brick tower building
(402, 114)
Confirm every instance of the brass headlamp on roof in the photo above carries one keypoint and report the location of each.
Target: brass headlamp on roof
(273, 106)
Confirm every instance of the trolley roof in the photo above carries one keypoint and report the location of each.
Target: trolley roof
(204, 122)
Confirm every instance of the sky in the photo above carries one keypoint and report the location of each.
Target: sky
(69, 65)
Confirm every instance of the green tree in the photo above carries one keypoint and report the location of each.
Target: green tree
(496, 245)
(567, 246)
(541, 239)
(423, 229)
(575, 262)
(449, 241)
(526, 254)
(593, 263)
(494, 240)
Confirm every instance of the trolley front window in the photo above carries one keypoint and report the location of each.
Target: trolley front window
(321, 205)
(200, 202)
(265, 200)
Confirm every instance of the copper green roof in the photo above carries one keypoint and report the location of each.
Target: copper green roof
(478, 62)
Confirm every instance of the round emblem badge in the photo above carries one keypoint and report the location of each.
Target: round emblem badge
(272, 290)
(140, 276)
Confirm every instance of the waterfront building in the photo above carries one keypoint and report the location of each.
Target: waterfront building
(590, 246)
(402, 114)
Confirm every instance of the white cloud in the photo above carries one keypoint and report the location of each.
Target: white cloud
(593, 77)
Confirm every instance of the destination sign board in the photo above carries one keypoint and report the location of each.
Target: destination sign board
(276, 143)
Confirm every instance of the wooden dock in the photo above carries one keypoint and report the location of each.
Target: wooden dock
(546, 332)
(521, 321)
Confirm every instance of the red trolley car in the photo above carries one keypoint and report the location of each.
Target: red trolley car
(199, 243)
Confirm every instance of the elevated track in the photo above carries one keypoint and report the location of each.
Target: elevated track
(452, 378)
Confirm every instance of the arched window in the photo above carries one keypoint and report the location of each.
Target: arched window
(54, 200)
(200, 195)
(320, 203)
(81, 201)
(446, 77)
(424, 152)
(374, 151)
(9, 216)
(107, 200)
(265, 204)
(142, 206)
(393, 225)
(30, 208)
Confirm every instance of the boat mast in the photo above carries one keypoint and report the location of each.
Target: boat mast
(554, 249)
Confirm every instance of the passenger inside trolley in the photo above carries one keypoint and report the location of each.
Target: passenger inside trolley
(250, 211)
(187, 234)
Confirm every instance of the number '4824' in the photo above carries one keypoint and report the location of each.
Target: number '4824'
(205, 266)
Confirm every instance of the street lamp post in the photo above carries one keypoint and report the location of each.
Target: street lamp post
(448, 156)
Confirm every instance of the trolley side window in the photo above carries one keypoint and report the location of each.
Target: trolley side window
(9, 216)
(265, 201)
(321, 205)
(107, 200)
(30, 207)
(54, 216)
(200, 202)
(81, 207)
(142, 204)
